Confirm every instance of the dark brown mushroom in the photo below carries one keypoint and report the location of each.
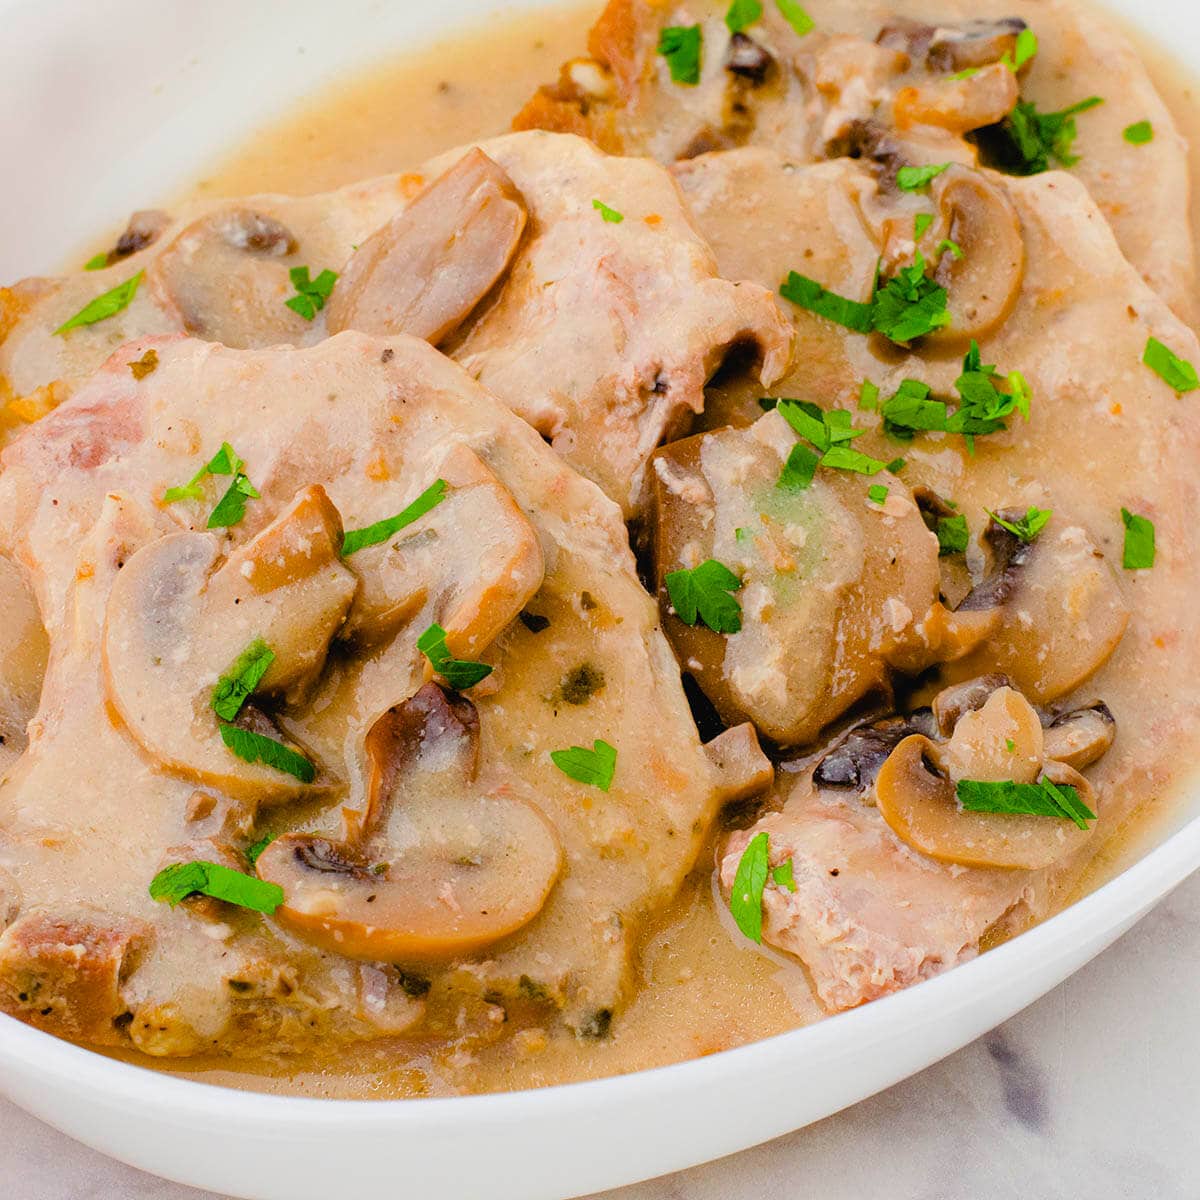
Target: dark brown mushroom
(426, 270)
(950, 49)
(144, 229)
(747, 59)
(433, 867)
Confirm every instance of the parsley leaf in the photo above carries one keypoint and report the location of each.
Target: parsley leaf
(106, 305)
(255, 849)
(609, 214)
(953, 535)
(1025, 49)
(1175, 371)
(830, 432)
(743, 13)
(911, 409)
(358, 539)
(1026, 140)
(459, 673)
(784, 876)
(877, 493)
(238, 684)
(915, 179)
(807, 293)
(798, 471)
(97, 262)
(745, 899)
(946, 246)
(796, 17)
(1041, 799)
(311, 294)
(921, 224)
(1139, 133)
(680, 46)
(704, 593)
(595, 767)
(254, 747)
(231, 508)
(1139, 542)
(176, 883)
(868, 396)
(910, 305)
(843, 458)
(1028, 527)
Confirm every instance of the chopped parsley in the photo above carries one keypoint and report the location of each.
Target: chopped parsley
(1025, 49)
(239, 683)
(921, 224)
(796, 17)
(254, 747)
(97, 262)
(1026, 140)
(1175, 371)
(1139, 542)
(830, 432)
(750, 881)
(231, 508)
(1028, 527)
(106, 305)
(609, 214)
(784, 876)
(946, 246)
(595, 767)
(895, 466)
(311, 294)
(916, 179)
(952, 535)
(680, 46)
(1041, 799)
(254, 851)
(877, 493)
(705, 593)
(176, 883)
(807, 293)
(1139, 133)
(459, 673)
(358, 539)
(742, 14)
(910, 305)
(868, 396)
(798, 471)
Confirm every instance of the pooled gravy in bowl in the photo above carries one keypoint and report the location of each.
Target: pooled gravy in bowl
(345, 751)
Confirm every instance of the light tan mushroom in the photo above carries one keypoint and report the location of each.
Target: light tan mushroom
(915, 790)
(983, 281)
(1082, 736)
(424, 272)
(958, 105)
(23, 652)
(434, 868)
(175, 622)
(225, 273)
(475, 555)
(1063, 612)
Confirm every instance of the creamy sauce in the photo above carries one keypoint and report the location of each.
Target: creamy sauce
(702, 990)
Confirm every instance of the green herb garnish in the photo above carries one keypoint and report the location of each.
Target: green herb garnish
(1025, 49)
(807, 293)
(745, 900)
(946, 246)
(704, 593)
(231, 508)
(254, 747)
(921, 224)
(254, 851)
(798, 471)
(311, 294)
(176, 883)
(1026, 140)
(104, 306)
(830, 432)
(239, 683)
(1041, 799)
(910, 305)
(1028, 527)
(1175, 371)
(796, 17)
(459, 673)
(784, 876)
(877, 493)
(680, 46)
(1139, 542)
(915, 179)
(358, 539)
(609, 214)
(868, 396)
(97, 262)
(1139, 133)
(743, 13)
(953, 535)
(595, 767)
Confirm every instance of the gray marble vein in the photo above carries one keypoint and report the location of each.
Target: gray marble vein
(1092, 1092)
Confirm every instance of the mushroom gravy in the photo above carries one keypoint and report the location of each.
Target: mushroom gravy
(697, 984)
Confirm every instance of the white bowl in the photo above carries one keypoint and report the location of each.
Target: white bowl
(107, 107)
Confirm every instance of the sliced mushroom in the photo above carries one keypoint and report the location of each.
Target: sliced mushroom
(741, 768)
(919, 803)
(475, 557)
(144, 228)
(747, 59)
(175, 622)
(225, 273)
(983, 284)
(424, 272)
(23, 652)
(958, 105)
(951, 49)
(435, 868)
(954, 702)
(856, 760)
(1062, 609)
(1082, 736)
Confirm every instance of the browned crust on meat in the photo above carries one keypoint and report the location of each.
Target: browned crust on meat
(64, 975)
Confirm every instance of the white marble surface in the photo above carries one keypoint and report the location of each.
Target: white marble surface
(1093, 1092)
